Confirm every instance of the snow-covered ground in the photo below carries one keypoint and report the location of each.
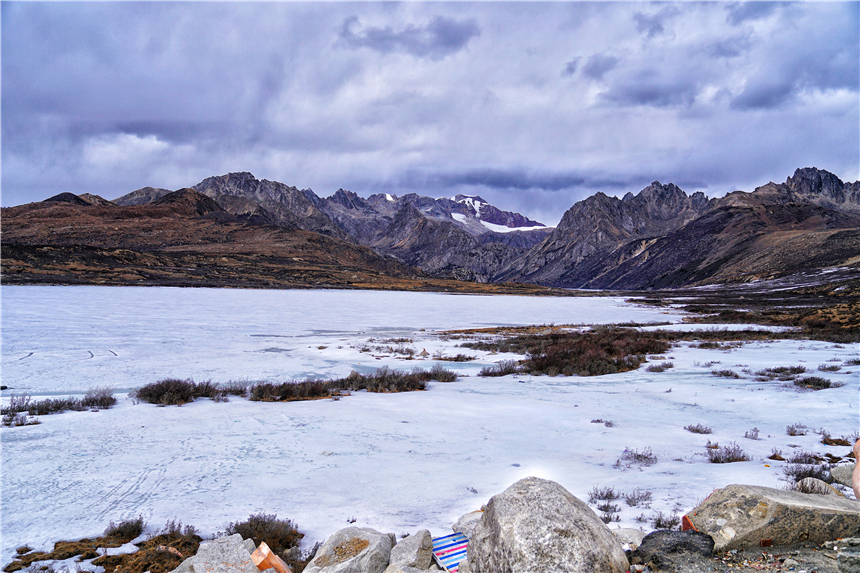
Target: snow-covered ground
(394, 462)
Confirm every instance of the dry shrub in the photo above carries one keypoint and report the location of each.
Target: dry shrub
(126, 530)
(797, 429)
(727, 454)
(383, 380)
(442, 374)
(816, 383)
(502, 368)
(794, 472)
(662, 367)
(634, 457)
(602, 493)
(804, 457)
(726, 374)
(100, 398)
(168, 392)
(637, 497)
(661, 521)
(698, 429)
(280, 535)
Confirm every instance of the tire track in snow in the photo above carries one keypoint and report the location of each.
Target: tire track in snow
(130, 493)
(28, 356)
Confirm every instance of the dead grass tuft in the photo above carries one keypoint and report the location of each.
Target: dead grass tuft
(727, 454)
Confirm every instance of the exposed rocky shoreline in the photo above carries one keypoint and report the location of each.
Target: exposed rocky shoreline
(537, 526)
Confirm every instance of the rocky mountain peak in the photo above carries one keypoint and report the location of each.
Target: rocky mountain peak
(190, 201)
(814, 181)
(66, 198)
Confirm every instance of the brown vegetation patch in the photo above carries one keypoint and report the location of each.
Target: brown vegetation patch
(86, 548)
(602, 350)
(154, 555)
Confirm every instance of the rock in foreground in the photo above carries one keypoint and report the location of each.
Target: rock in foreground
(741, 516)
(353, 550)
(538, 526)
(670, 551)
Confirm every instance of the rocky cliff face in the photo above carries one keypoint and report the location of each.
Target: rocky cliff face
(142, 196)
(285, 205)
(662, 238)
(443, 237)
(658, 238)
(464, 237)
(595, 227)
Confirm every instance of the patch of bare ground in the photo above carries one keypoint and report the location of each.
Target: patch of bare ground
(160, 554)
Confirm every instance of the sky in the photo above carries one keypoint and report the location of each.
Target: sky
(532, 106)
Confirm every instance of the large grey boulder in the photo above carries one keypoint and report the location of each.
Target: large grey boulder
(414, 553)
(467, 523)
(353, 550)
(740, 516)
(223, 555)
(538, 526)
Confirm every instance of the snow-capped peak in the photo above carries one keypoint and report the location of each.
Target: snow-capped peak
(472, 201)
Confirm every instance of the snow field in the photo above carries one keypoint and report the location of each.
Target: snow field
(394, 462)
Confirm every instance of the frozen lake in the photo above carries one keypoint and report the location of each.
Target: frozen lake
(394, 462)
(71, 339)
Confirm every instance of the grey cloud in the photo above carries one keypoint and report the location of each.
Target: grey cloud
(649, 88)
(518, 179)
(821, 68)
(441, 37)
(570, 67)
(652, 24)
(742, 11)
(598, 65)
(728, 48)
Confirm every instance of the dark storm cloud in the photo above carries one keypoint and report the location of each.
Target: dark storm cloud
(441, 37)
(598, 65)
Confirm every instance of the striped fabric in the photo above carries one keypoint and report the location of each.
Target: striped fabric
(450, 550)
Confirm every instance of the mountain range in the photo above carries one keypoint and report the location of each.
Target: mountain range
(658, 238)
